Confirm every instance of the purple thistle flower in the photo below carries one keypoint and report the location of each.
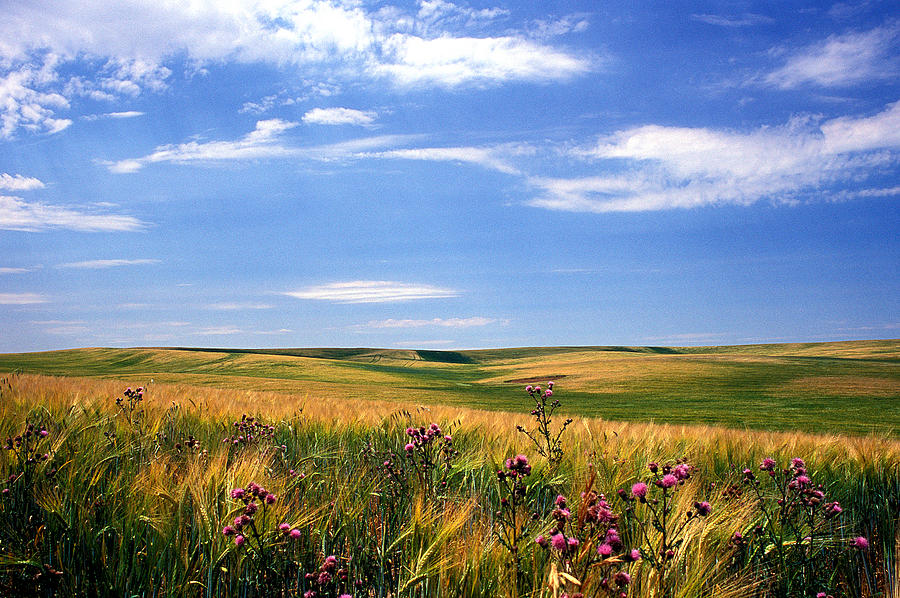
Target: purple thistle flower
(271, 498)
(410, 447)
(682, 471)
(284, 527)
(239, 540)
(559, 542)
(295, 534)
(703, 508)
(605, 550)
(227, 530)
(634, 555)
(237, 493)
(668, 481)
(639, 490)
(768, 464)
(622, 579)
(528, 388)
(251, 508)
(542, 541)
(860, 542)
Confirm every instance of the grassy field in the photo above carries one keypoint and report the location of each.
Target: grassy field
(133, 499)
(822, 388)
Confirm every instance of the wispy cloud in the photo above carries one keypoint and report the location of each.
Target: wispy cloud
(841, 60)
(434, 322)
(17, 182)
(338, 116)
(262, 142)
(114, 115)
(22, 298)
(101, 264)
(372, 291)
(494, 158)
(744, 20)
(679, 167)
(7, 270)
(17, 214)
(456, 61)
(239, 306)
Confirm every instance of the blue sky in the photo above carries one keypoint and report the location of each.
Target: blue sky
(431, 174)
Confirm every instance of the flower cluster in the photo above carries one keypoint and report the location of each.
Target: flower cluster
(587, 547)
(249, 431)
(795, 517)
(130, 405)
(547, 442)
(327, 579)
(429, 449)
(246, 520)
(29, 450)
(649, 506)
(512, 521)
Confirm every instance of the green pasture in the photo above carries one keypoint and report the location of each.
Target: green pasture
(841, 387)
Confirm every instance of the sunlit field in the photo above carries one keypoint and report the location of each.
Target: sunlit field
(845, 387)
(221, 485)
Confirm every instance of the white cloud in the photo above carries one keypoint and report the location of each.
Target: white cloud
(239, 306)
(21, 298)
(680, 167)
(7, 270)
(219, 331)
(841, 60)
(454, 61)
(28, 99)
(17, 182)
(744, 20)
(338, 116)
(441, 44)
(488, 157)
(262, 142)
(434, 322)
(102, 264)
(371, 291)
(17, 214)
(115, 115)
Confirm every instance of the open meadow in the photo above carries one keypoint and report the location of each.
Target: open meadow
(320, 474)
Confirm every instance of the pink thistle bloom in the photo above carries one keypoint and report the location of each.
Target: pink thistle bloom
(410, 447)
(639, 490)
(668, 481)
(559, 542)
(548, 393)
(703, 508)
(605, 550)
(238, 523)
(542, 541)
(43, 433)
(635, 554)
(560, 500)
(803, 480)
(529, 388)
(251, 508)
(573, 543)
(860, 542)
(768, 464)
(270, 499)
(295, 534)
(682, 471)
(622, 579)
(239, 540)
(237, 493)
(227, 530)
(798, 463)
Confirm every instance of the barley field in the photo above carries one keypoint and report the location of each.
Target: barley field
(232, 474)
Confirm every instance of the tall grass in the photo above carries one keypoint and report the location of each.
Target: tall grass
(123, 507)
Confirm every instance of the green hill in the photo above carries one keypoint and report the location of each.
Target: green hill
(840, 387)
